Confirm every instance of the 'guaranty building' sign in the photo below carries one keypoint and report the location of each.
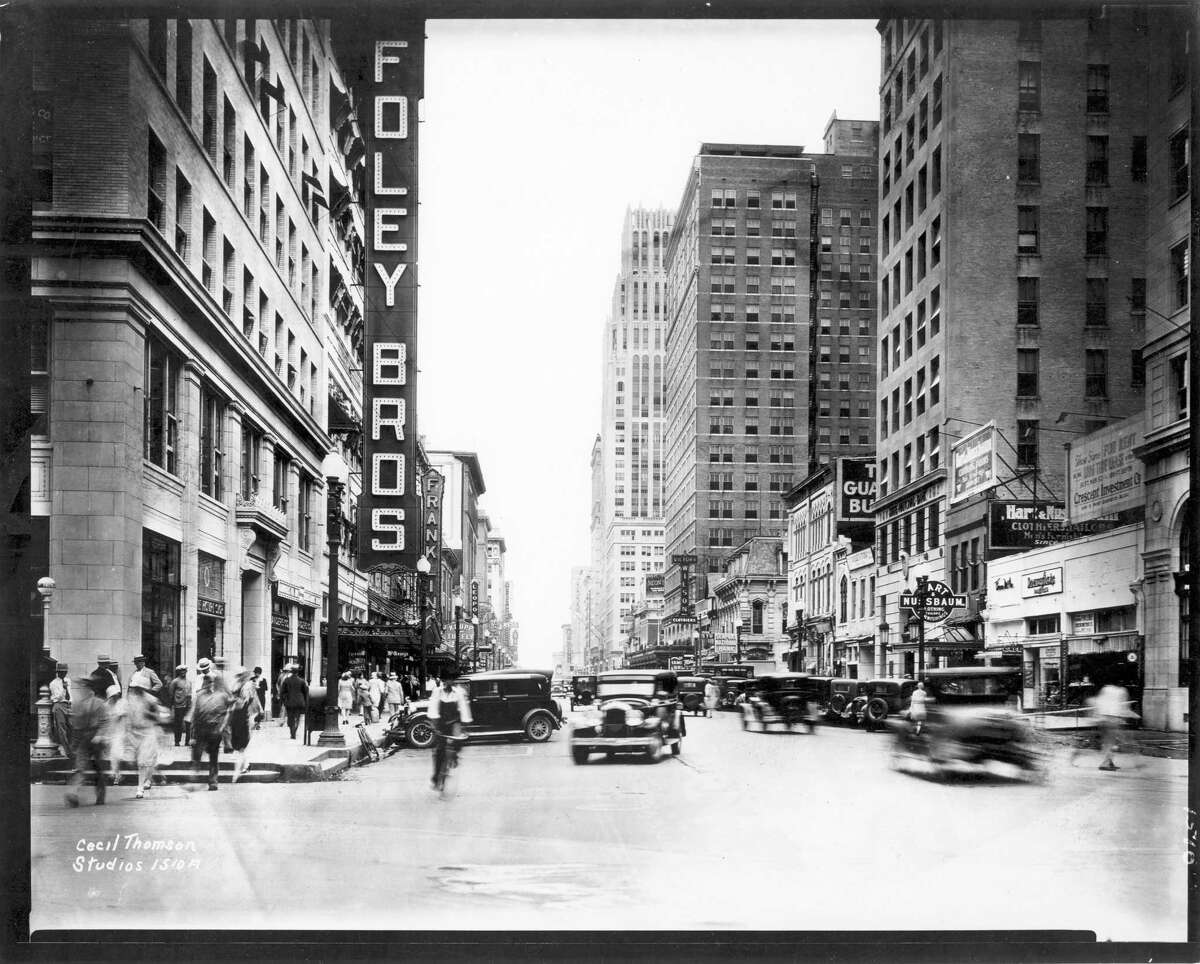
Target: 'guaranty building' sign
(389, 89)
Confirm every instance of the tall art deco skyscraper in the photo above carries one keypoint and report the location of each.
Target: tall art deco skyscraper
(630, 536)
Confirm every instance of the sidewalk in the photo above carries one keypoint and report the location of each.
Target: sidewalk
(272, 754)
(1158, 743)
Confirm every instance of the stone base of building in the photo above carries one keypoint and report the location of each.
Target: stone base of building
(1165, 709)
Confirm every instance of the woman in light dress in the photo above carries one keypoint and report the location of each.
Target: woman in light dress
(345, 697)
(143, 730)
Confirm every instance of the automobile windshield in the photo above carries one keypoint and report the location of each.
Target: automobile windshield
(625, 687)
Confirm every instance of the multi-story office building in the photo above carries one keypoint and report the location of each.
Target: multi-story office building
(184, 255)
(631, 422)
(1012, 230)
(584, 634)
(770, 341)
(1168, 317)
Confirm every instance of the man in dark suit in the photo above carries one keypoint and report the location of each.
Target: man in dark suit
(293, 692)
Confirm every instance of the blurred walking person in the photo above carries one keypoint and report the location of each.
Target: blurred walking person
(260, 686)
(88, 713)
(245, 711)
(712, 697)
(916, 707)
(210, 715)
(283, 674)
(142, 723)
(1112, 709)
(113, 734)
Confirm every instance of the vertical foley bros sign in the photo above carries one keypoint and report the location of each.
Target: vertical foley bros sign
(391, 82)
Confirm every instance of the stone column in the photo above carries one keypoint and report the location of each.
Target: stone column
(232, 477)
(188, 468)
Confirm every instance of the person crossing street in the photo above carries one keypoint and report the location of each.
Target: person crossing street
(449, 709)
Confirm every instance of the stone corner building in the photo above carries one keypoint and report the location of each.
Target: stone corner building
(193, 220)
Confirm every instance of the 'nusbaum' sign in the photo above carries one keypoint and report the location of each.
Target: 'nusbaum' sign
(390, 87)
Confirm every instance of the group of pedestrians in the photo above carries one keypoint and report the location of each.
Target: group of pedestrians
(373, 695)
(101, 724)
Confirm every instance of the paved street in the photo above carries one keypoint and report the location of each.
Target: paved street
(743, 831)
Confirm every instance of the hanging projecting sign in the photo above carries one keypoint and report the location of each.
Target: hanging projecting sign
(973, 463)
(433, 515)
(856, 490)
(388, 88)
(1103, 474)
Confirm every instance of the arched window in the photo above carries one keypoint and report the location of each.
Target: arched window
(756, 617)
(844, 589)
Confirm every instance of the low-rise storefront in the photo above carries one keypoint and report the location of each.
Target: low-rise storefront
(1072, 612)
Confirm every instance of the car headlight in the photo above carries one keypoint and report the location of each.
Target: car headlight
(634, 718)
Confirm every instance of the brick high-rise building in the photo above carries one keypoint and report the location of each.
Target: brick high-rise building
(631, 424)
(770, 340)
(1012, 226)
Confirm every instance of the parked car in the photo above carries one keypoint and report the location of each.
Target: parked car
(971, 724)
(782, 701)
(691, 694)
(884, 698)
(583, 690)
(636, 712)
(508, 702)
(847, 697)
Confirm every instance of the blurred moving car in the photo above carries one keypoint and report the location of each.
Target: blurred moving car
(731, 689)
(508, 702)
(636, 712)
(782, 702)
(691, 694)
(884, 698)
(583, 690)
(972, 724)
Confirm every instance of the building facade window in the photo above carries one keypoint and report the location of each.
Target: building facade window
(1180, 268)
(1029, 85)
(1027, 443)
(212, 448)
(161, 591)
(1027, 229)
(1096, 377)
(304, 520)
(1028, 153)
(156, 182)
(1027, 302)
(1027, 372)
(160, 422)
(1096, 241)
(1177, 151)
(279, 484)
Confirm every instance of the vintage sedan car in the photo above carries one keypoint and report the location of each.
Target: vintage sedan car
(583, 690)
(509, 702)
(884, 698)
(732, 688)
(847, 697)
(971, 724)
(782, 702)
(637, 712)
(691, 694)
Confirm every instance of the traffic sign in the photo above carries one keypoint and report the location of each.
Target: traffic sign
(683, 559)
(934, 603)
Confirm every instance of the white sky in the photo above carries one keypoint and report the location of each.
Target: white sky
(536, 137)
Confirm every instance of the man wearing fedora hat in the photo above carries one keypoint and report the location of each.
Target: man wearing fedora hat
(105, 674)
(89, 714)
(143, 676)
(60, 709)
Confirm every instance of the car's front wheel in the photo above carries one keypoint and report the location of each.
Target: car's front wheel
(538, 728)
(419, 734)
(579, 756)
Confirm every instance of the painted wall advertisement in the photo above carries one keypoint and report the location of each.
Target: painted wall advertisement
(973, 463)
(856, 490)
(1103, 474)
(1030, 525)
(388, 82)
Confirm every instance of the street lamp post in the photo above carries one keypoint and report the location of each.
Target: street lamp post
(331, 735)
(457, 625)
(475, 648)
(423, 568)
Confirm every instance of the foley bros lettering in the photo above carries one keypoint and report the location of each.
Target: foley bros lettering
(391, 81)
